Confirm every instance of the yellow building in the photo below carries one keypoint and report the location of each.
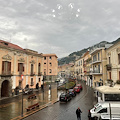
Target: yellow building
(86, 67)
(113, 63)
(79, 70)
(16, 62)
(98, 70)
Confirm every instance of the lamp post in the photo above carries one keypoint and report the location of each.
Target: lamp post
(22, 95)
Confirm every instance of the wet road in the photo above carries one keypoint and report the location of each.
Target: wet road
(66, 111)
(11, 107)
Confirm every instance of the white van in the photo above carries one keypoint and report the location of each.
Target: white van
(103, 108)
(107, 117)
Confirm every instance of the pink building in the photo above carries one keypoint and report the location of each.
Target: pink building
(50, 66)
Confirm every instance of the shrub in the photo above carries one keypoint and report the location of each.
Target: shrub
(118, 81)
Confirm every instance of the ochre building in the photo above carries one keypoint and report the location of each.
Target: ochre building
(18, 68)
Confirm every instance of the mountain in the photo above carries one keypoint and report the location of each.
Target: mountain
(75, 55)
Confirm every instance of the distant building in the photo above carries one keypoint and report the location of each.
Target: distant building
(20, 68)
(50, 67)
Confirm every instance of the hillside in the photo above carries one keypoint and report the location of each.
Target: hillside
(73, 56)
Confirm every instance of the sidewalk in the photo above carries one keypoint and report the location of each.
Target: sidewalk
(10, 108)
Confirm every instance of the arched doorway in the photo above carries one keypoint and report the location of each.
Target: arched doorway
(5, 89)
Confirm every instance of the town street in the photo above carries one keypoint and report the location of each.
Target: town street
(66, 111)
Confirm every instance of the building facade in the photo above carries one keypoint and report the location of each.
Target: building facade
(19, 68)
(79, 73)
(113, 63)
(98, 70)
(50, 67)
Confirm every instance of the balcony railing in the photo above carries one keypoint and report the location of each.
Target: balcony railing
(97, 71)
(39, 74)
(6, 73)
(96, 61)
(32, 74)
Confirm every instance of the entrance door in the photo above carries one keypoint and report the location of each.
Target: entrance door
(5, 89)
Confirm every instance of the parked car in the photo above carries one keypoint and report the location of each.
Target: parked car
(79, 86)
(77, 89)
(28, 91)
(72, 92)
(64, 97)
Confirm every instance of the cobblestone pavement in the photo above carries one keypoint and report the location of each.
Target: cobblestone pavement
(66, 111)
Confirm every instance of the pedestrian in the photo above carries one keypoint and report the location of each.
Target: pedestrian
(78, 113)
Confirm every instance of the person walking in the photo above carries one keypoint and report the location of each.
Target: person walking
(78, 113)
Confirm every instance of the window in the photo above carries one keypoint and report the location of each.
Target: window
(32, 68)
(98, 68)
(118, 58)
(50, 78)
(39, 80)
(32, 83)
(81, 62)
(109, 60)
(50, 57)
(50, 64)
(50, 71)
(6, 67)
(104, 110)
(98, 56)
(94, 58)
(44, 71)
(44, 58)
(20, 67)
(110, 75)
(39, 68)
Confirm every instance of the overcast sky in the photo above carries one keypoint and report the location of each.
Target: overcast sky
(59, 26)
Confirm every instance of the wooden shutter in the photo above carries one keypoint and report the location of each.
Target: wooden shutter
(3, 62)
(9, 66)
(18, 66)
(23, 67)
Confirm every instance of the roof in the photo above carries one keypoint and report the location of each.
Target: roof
(109, 90)
(10, 45)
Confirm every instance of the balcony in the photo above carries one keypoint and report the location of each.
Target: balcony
(39, 74)
(32, 74)
(96, 72)
(6, 73)
(96, 61)
(108, 67)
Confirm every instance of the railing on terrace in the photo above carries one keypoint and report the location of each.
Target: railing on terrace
(6, 73)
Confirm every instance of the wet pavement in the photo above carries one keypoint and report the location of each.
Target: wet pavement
(11, 107)
(66, 111)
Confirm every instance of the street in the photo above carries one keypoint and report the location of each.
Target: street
(66, 111)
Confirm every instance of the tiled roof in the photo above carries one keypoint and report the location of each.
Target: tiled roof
(10, 45)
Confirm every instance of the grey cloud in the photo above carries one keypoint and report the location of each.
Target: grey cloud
(30, 24)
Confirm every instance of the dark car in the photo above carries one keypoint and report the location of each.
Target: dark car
(77, 89)
(64, 97)
(72, 92)
(79, 86)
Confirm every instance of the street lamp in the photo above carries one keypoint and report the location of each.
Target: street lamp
(22, 95)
